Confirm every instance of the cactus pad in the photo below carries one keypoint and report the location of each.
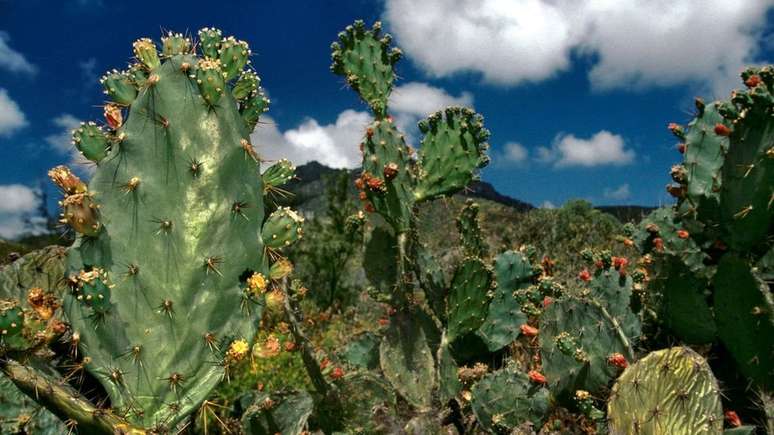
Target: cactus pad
(506, 399)
(670, 391)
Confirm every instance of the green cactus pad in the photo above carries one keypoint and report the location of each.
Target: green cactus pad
(30, 295)
(452, 151)
(383, 145)
(209, 77)
(253, 107)
(145, 52)
(705, 154)
(282, 228)
(407, 360)
(278, 174)
(367, 63)
(592, 335)
(470, 232)
(379, 260)
(174, 44)
(513, 271)
(119, 87)
(363, 351)
(670, 391)
(506, 399)
(365, 393)
(181, 212)
(209, 40)
(614, 293)
(286, 414)
(246, 85)
(745, 317)
(469, 296)
(448, 382)
(433, 282)
(91, 141)
(234, 55)
(661, 224)
(684, 306)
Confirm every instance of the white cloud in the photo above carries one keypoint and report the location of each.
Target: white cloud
(11, 117)
(11, 59)
(633, 43)
(603, 148)
(515, 152)
(547, 204)
(414, 100)
(620, 193)
(17, 202)
(334, 145)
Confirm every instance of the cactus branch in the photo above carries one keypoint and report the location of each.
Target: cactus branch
(65, 402)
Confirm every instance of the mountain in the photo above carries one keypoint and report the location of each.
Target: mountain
(309, 186)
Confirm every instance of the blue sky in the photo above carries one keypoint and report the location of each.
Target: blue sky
(577, 93)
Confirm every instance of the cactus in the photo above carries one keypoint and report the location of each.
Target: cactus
(171, 228)
(267, 415)
(31, 289)
(670, 391)
(20, 414)
(506, 399)
(706, 248)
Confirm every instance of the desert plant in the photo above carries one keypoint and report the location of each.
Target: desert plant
(168, 273)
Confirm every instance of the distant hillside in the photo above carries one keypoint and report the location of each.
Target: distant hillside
(308, 188)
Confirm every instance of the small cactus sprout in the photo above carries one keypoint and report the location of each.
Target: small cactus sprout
(91, 141)
(145, 52)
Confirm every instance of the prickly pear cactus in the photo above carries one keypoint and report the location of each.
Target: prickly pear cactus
(21, 415)
(169, 271)
(31, 289)
(453, 146)
(670, 391)
(506, 399)
(266, 415)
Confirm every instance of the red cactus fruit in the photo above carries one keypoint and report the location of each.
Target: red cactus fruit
(375, 184)
(618, 360)
(620, 262)
(529, 331)
(722, 130)
(362, 195)
(370, 132)
(683, 234)
(536, 377)
(753, 81)
(732, 418)
(113, 116)
(585, 275)
(547, 301)
(369, 207)
(337, 373)
(658, 244)
(681, 147)
(359, 183)
(390, 170)
(324, 363)
(384, 322)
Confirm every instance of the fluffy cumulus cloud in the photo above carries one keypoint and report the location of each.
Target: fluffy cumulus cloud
(11, 117)
(633, 43)
(17, 204)
(11, 60)
(512, 153)
(620, 193)
(603, 148)
(336, 144)
(414, 100)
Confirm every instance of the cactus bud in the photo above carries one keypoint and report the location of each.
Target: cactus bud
(80, 212)
(722, 130)
(145, 52)
(113, 116)
(753, 81)
(68, 182)
(209, 77)
(390, 170)
(91, 141)
(537, 377)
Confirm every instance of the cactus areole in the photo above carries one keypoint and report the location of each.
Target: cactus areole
(170, 228)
